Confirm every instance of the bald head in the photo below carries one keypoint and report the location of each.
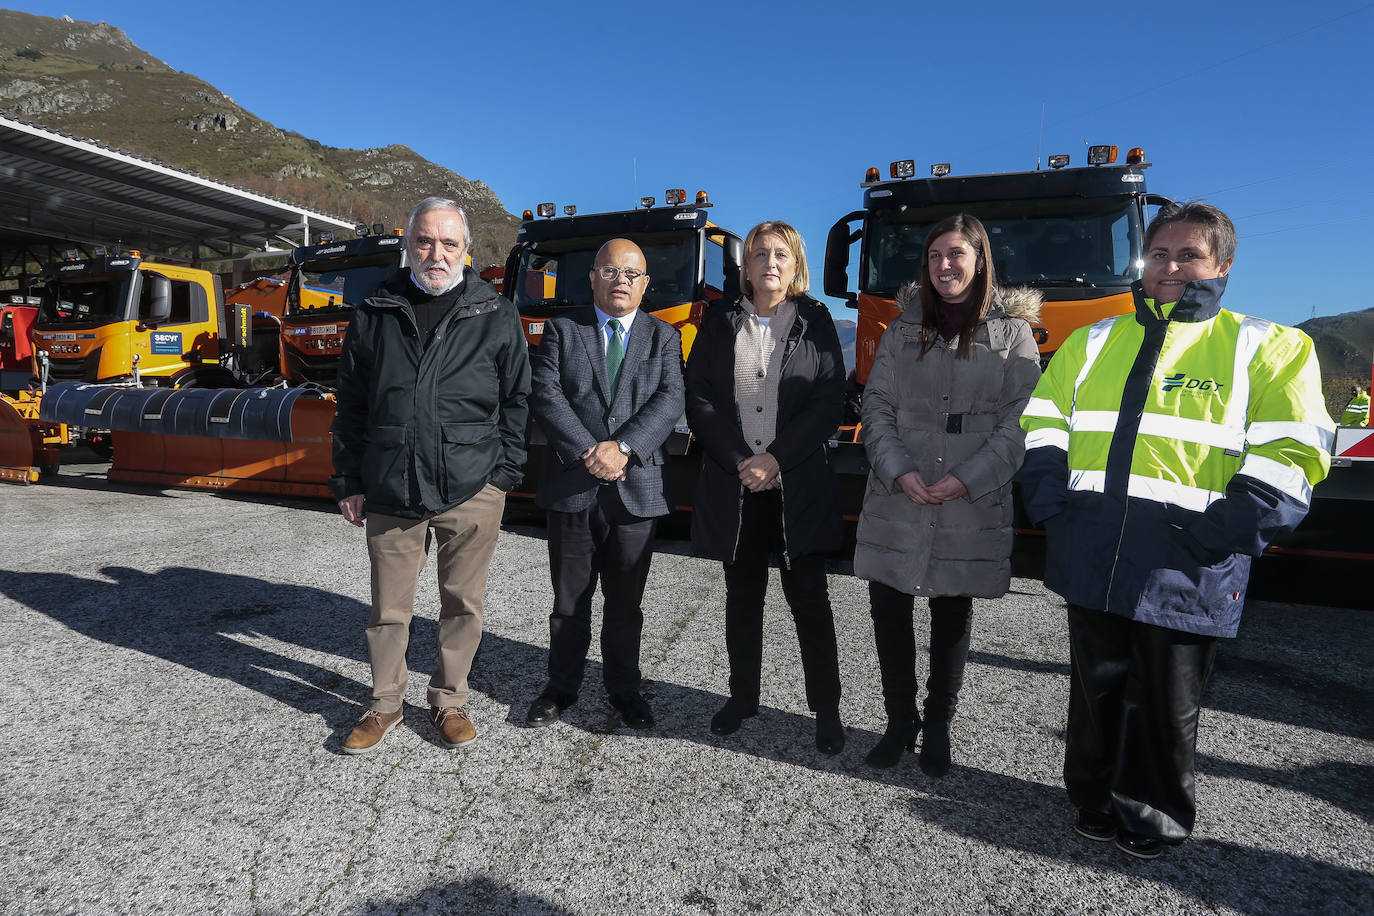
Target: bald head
(619, 296)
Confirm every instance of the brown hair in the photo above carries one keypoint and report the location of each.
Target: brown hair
(801, 282)
(1217, 226)
(980, 292)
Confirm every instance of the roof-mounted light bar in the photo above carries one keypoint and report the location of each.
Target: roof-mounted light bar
(1101, 155)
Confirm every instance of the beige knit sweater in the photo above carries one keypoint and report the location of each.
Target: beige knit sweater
(758, 361)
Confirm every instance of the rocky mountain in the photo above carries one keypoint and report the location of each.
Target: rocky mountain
(90, 80)
(848, 331)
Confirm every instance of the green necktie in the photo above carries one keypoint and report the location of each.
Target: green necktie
(615, 354)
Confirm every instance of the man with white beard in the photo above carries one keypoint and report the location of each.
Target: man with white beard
(429, 435)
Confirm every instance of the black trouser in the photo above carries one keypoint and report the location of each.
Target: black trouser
(804, 586)
(1134, 694)
(951, 620)
(608, 542)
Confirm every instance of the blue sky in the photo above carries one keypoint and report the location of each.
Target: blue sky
(1265, 109)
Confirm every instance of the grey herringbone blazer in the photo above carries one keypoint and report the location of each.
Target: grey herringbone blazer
(572, 402)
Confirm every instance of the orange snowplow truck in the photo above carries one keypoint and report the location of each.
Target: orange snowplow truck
(307, 314)
(1073, 233)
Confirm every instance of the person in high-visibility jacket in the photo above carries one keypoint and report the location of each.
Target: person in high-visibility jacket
(1164, 450)
(1356, 413)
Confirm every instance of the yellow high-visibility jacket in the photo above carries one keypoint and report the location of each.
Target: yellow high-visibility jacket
(1167, 447)
(1356, 413)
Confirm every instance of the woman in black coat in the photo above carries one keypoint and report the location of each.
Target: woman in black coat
(765, 389)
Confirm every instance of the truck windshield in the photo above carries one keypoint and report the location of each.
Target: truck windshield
(88, 301)
(557, 271)
(1044, 242)
(340, 284)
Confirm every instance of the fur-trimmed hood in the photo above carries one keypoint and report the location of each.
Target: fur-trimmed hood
(1015, 301)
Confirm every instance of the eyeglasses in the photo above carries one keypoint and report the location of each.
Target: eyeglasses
(610, 273)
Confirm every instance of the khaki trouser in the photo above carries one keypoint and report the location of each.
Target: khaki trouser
(465, 539)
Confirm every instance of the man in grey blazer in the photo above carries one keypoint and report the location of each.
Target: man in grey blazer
(607, 391)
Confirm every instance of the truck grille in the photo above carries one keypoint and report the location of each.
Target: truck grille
(69, 370)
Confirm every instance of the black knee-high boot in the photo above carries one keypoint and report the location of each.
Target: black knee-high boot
(896, 645)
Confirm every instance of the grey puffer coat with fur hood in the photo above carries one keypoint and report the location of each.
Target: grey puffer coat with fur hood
(941, 415)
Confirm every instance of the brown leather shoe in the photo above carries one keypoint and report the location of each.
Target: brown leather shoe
(367, 735)
(455, 728)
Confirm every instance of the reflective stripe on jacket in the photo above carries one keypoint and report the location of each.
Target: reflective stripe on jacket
(1165, 449)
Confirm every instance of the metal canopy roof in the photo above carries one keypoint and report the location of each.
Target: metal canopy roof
(58, 191)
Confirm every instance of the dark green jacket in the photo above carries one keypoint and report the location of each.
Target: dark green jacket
(425, 428)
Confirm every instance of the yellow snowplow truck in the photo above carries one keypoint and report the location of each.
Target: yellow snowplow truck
(143, 361)
(117, 321)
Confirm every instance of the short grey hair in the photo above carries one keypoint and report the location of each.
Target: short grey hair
(1215, 225)
(440, 203)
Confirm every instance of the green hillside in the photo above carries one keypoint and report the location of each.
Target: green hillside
(1345, 349)
(90, 80)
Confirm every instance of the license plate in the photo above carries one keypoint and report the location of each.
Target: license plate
(324, 329)
(536, 327)
(71, 336)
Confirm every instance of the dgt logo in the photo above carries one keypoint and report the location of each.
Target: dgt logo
(1183, 380)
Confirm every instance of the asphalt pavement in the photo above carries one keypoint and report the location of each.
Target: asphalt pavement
(181, 667)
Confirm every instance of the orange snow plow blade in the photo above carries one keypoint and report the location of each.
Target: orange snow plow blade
(262, 440)
(300, 467)
(23, 449)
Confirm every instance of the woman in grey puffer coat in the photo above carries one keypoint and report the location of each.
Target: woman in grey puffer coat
(952, 374)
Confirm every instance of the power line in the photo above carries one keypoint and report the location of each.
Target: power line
(1329, 222)
(1292, 173)
(1310, 203)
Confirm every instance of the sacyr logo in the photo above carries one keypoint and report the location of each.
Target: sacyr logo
(1185, 381)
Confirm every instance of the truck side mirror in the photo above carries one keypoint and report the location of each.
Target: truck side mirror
(837, 242)
(732, 257)
(159, 300)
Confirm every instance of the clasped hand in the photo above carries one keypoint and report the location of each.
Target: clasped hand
(759, 473)
(605, 461)
(941, 491)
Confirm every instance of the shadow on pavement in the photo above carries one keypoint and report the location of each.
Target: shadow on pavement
(211, 622)
(1034, 818)
(1339, 783)
(1253, 676)
(224, 625)
(475, 895)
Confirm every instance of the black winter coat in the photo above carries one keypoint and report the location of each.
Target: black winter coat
(810, 407)
(425, 428)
